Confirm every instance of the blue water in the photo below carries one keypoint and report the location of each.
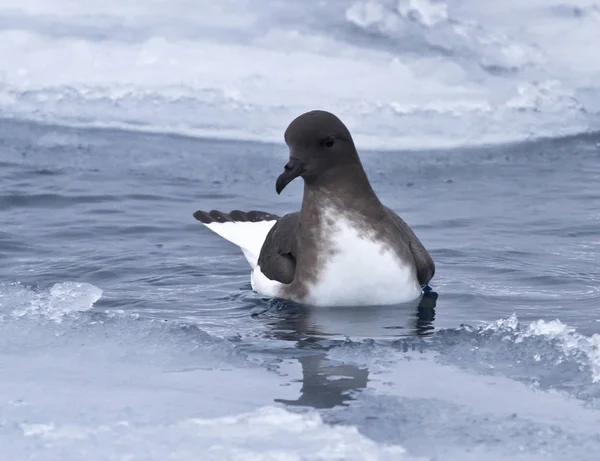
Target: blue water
(128, 329)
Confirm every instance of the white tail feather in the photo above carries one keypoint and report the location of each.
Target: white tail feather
(249, 236)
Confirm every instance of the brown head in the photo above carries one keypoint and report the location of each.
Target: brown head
(319, 145)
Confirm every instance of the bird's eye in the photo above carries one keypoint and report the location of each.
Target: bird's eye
(328, 142)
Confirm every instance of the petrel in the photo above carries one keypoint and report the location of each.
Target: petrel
(344, 247)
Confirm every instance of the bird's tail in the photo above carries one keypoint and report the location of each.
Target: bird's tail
(247, 230)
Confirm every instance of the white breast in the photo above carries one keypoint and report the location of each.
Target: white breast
(360, 271)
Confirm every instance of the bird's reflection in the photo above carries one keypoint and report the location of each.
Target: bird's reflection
(326, 384)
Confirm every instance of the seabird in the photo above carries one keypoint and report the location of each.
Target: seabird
(344, 247)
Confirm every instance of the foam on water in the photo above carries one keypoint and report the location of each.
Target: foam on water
(401, 73)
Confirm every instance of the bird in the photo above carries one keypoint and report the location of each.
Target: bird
(343, 247)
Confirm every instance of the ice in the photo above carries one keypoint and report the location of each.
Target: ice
(401, 73)
(504, 390)
(572, 343)
(267, 434)
(573, 346)
(76, 382)
(59, 301)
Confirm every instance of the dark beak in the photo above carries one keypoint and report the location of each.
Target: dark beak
(293, 169)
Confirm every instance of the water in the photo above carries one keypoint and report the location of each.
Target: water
(129, 331)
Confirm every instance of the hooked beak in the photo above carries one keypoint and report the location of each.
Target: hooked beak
(293, 169)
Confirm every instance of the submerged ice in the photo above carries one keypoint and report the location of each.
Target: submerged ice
(80, 381)
(110, 386)
(401, 73)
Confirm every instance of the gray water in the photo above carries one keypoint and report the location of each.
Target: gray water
(129, 331)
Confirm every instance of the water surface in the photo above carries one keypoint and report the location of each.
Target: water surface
(128, 329)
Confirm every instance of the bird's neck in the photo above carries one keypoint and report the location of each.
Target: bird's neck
(346, 188)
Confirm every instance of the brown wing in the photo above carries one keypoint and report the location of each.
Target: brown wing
(278, 255)
(423, 260)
